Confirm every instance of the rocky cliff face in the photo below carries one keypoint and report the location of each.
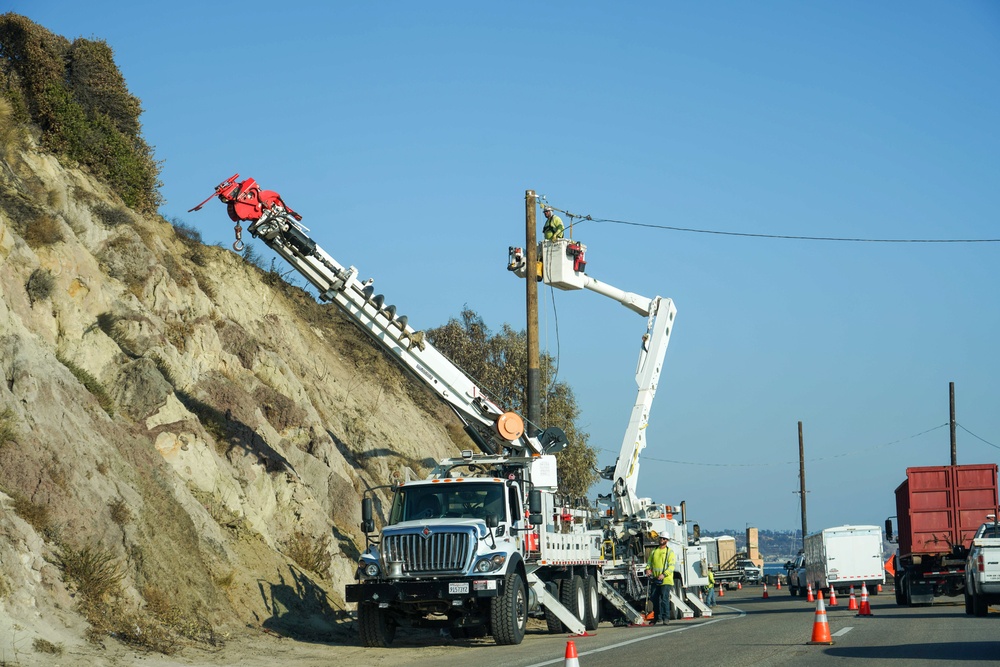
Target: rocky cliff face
(184, 438)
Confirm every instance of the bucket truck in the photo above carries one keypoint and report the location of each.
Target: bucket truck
(636, 522)
(485, 540)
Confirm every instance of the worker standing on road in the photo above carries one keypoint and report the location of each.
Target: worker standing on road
(661, 568)
(710, 590)
(553, 228)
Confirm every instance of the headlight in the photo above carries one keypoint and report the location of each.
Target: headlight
(371, 570)
(491, 563)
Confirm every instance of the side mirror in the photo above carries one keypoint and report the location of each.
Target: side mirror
(888, 529)
(367, 523)
(492, 521)
(535, 502)
(788, 565)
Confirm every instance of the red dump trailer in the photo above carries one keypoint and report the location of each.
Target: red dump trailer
(938, 510)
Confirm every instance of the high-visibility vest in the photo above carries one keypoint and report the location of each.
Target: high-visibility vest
(662, 561)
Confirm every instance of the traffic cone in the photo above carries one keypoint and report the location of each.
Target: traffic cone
(821, 626)
(833, 596)
(779, 583)
(809, 593)
(866, 609)
(765, 590)
(879, 588)
(853, 604)
(722, 590)
(572, 660)
(700, 598)
(739, 585)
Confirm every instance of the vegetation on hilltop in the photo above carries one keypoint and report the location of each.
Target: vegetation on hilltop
(75, 95)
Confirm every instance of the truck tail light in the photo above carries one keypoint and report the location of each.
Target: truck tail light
(979, 563)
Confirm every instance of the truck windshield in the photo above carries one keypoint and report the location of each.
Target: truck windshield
(466, 500)
(991, 530)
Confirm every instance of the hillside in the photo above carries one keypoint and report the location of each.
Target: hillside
(184, 438)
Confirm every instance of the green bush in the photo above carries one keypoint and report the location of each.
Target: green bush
(91, 383)
(76, 95)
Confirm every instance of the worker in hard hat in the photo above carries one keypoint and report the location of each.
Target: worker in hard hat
(553, 228)
(660, 570)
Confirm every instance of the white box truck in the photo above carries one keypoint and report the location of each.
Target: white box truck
(845, 556)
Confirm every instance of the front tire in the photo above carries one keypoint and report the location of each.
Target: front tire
(376, 627)
(509, 612)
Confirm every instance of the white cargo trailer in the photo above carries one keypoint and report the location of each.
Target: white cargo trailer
(844, 556)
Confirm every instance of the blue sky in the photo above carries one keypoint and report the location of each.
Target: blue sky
(407, 133)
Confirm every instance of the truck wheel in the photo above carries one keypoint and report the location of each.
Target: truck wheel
(509, 612)
(573, 596)
(968, 603)
(793, 591)
(376, 628)
(979, 606)
(593, 601)
(552, 622)
(897, 584)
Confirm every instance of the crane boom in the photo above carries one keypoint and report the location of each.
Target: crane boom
(563, 262)
(278, 226)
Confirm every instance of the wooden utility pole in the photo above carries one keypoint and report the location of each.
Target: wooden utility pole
(531, 258)
(802, 483)
(954, 442)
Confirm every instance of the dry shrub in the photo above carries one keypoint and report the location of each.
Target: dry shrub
(120, 512)
(237, 341)
(91, 383)
(8, 426)
(35, 514)
(40, 285)
(279, 410)
(127, 259)
(113, 216)
(45, 646)
(310, 553)
(178, 333)
(42, 231)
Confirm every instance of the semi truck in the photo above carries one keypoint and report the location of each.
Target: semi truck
(938, 511)
(486, 540)
(841, 557)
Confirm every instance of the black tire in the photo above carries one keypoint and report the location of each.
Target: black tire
(897, 584)
(793, 591)
(376, 627)
(573, 596)
(968, 603)
(552, 622)
(592, 598)
(509, 612)
(979, 605)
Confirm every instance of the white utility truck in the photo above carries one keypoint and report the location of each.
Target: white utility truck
(486, 539)
(982, 569)
(844, 556)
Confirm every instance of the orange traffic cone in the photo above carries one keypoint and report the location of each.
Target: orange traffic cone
(700, 598)
(853, 604)
(833, 596)
(779, 583)
(866, 609)
(571, 658)
(821, 626)
(739, 585)
(765, 590)
(879, 588)
(809, 593)
(722, 590)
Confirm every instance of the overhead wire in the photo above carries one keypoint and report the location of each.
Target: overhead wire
(792, 237)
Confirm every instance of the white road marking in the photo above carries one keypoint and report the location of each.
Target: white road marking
(842, 631)
(651, 635)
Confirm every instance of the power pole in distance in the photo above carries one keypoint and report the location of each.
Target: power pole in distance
(531, 257)
(802, 483)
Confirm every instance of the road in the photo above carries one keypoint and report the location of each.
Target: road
(747, 630)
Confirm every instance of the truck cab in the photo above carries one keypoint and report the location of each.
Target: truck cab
(982, 570)
(796, 572)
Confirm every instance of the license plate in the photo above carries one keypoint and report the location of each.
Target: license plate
(458, 588)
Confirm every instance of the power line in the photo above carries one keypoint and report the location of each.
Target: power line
(976, 436)
(576, 219)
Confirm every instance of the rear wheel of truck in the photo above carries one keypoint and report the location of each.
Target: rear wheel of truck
(968, 603)
(979, 605)
(376, 628)
(509, 612)
(593, 602)
(552, 622)
(572, 595)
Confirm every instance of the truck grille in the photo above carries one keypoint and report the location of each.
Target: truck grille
(444, 552)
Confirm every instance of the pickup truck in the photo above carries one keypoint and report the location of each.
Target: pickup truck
(745, 572)
(982, 570)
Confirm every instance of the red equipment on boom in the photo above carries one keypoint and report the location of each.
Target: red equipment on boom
(246, 202)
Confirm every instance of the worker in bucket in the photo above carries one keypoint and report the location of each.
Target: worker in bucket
(553, 228)
(660, 569)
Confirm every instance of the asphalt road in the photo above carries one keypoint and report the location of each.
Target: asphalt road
(746, 630)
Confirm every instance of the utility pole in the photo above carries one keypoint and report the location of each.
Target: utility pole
(954, 442)
(531, 285)
(802, 483)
